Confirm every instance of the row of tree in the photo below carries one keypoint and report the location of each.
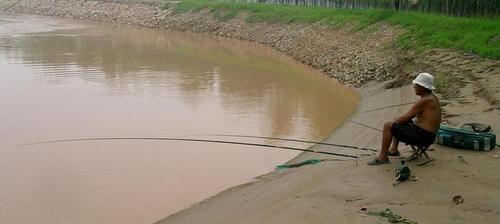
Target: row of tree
(462, 8)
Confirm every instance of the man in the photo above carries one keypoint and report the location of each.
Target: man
(427, 112)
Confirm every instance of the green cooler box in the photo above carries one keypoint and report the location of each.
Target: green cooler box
(466, 139)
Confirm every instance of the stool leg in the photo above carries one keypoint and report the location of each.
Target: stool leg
(425, 154)
(427, 158)
(419, 154)
(415, 155)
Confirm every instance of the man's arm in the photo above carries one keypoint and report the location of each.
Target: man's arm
(414, 110)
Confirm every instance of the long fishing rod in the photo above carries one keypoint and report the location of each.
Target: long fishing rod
(371, 110)
(294, 140)
(194, 140)
(360, 124)
(381, 108)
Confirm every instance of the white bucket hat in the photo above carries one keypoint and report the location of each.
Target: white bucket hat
(425, 80)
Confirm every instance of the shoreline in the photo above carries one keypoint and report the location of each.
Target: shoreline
(310, 194)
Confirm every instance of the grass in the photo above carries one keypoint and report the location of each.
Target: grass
(441, 82)
(424, 31)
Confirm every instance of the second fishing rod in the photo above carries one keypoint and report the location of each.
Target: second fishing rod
(192, 140)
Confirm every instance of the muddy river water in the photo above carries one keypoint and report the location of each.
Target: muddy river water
(64, 79)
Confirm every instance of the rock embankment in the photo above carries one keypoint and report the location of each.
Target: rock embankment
(352, 58)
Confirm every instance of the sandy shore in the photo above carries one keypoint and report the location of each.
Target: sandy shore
(333, 191)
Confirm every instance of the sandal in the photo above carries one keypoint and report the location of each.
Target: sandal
(376, 161)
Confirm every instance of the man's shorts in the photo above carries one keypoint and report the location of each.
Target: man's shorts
(412, 134)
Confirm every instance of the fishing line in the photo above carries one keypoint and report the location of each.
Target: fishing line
(195, 140)
(293, 140)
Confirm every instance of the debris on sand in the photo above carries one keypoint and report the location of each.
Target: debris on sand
(457, 199)
(391, 216)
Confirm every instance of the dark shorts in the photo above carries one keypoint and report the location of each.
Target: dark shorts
(412, 134)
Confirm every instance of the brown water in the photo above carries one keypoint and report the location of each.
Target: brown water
(67, 79)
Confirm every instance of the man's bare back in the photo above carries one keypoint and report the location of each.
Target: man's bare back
(427, 112)
(429, 118)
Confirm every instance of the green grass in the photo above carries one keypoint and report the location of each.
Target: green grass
(424, 31)
(441, 82)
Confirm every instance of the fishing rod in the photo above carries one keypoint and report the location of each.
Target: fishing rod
(360, 124)
(195, 140)
(381, 108)
(294, 140)
(371, 110)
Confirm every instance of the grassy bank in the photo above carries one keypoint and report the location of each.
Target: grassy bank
(424, 31)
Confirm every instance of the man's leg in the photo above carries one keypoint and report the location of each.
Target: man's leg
(386, 140)
(394, 145)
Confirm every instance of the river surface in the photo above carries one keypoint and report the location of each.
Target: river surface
(63, 79)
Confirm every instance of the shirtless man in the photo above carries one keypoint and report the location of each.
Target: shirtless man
(427, 112)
